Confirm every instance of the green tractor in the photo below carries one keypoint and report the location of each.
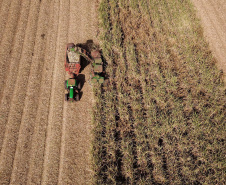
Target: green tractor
(72, 87)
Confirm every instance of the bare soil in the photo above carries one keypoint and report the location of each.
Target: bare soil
(213, 15)
(43, 140)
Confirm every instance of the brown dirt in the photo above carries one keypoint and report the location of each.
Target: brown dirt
(213, 15)
(43, 140)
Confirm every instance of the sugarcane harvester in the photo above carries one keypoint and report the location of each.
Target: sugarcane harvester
(72, 66)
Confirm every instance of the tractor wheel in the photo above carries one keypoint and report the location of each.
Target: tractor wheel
(65, 84)
(79, 86)
(77, 97)
(66, 97)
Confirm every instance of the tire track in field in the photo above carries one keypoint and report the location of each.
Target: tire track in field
(75, 163)
(39, 136)
(4, 15)
(7, 41)
(16, 109)
(0, 4)
(34, 148)
(53, 140)
(13, 68)
(20, 165)
(213, 15)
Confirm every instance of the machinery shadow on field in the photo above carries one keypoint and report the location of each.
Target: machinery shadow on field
(82, 80)
(88, 46)
(105, 64)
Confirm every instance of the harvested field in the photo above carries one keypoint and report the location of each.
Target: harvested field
(213, 16)
(43, 140)
(162, 118)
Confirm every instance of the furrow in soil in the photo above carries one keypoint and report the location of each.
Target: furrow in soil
(0, 4)
(8, 41)
(17, 103)
(39, 135)
(4, 15)
(22, 154)
(13, 68)
(53, 140)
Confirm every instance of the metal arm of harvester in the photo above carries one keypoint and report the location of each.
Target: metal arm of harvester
(85, 54)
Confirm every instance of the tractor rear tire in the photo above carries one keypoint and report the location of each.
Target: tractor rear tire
(79, 86)
(66, 97)
(65, 84)
(77, 97)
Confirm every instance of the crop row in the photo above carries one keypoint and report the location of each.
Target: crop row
(161, 119)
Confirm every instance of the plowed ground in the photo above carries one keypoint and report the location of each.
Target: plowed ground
(43, 140)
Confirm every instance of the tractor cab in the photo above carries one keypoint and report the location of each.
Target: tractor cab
(72, 86)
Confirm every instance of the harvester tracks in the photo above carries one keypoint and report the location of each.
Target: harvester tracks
(22, 153)
(36, 160)
(19, 94)
(53, 139)
(75, 160)
(1, 3)
(7, 39)
(13, 69)
(5, 5)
